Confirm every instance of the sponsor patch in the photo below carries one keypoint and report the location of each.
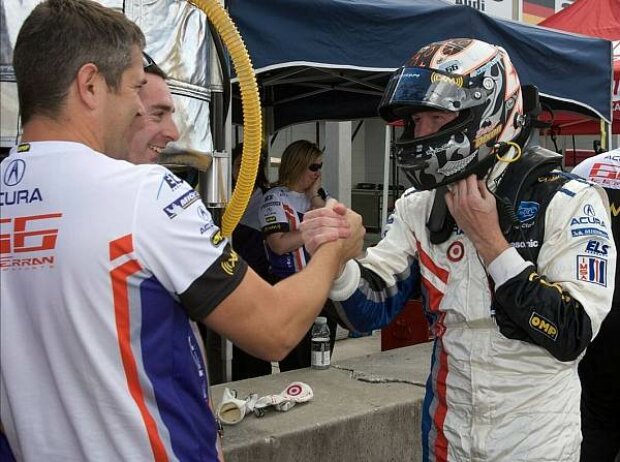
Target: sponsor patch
(598, 248)
(592, 269)
(172, 181)
(456, 80)
(589, 232)
(489, 136)
(272, 204)
(203, 214)
(181, 203)
(14, 172)
(549, 178)
(23, 196)
(229, 265)
(527, 211)
(530, 244)
(587, 220)
(540, 324)
(456, 251)
(217, 238)
(270, 219)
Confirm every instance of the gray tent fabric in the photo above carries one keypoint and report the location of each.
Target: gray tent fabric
(330, 59)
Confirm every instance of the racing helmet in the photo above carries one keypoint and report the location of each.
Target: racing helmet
(462, 75)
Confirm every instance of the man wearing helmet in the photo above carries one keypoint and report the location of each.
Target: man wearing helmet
(516, 260)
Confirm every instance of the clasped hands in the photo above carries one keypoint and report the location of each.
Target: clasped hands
(334, 222)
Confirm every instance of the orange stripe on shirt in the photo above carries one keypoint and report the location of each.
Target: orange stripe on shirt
(120, 290)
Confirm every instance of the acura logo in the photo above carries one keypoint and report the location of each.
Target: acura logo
(14, 172)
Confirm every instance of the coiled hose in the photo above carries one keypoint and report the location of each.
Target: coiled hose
(250, 100)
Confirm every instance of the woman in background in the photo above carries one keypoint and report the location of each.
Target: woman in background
(247, 240)
(298, 190)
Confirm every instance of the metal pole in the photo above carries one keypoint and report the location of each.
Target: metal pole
(214, 187)
(386, 175)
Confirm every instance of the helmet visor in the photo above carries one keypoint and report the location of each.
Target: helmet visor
(411, 89)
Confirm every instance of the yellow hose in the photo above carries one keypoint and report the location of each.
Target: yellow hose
(251, 112)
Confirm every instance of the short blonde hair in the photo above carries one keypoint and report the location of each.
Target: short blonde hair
(295, 161)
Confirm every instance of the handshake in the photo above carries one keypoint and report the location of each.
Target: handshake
(333, 225)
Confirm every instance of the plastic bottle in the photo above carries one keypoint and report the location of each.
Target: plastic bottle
(321, 354)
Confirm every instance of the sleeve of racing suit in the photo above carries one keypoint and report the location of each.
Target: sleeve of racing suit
(372, 291)
(561, 303)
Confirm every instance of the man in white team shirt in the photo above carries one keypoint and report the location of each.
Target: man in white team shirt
(598, 370)
(104, 263)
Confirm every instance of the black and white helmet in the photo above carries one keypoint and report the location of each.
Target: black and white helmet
(462, 75)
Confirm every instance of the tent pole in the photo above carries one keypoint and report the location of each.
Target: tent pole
(386, 176)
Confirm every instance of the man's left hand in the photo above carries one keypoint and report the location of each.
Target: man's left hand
(473, 207)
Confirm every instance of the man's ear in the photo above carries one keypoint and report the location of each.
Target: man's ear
(89, 82)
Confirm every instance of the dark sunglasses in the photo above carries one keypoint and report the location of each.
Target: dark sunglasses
(315, 167)
(147, 61)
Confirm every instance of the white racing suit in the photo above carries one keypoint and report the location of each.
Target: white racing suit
(503, 384)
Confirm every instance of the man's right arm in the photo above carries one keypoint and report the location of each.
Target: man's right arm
(268, 321)
(373, 290)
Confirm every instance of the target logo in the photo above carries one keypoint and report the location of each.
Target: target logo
(456, 251)
(294, 390)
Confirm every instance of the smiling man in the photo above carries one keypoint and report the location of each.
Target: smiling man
(151, 131)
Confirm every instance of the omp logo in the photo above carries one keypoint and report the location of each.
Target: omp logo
(454, 80)
(181, 203)
(614, 209)
(270, 219)
(14, 172)
(217, 238)
(229, 265)
(544, 326)
(489, 136)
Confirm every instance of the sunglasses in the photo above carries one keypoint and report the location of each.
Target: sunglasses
(147, 61)
(315, 167)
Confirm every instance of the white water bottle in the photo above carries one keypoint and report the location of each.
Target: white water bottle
(321, 354)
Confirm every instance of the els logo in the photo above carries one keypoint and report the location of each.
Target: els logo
(172, 181)
(597, 248)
